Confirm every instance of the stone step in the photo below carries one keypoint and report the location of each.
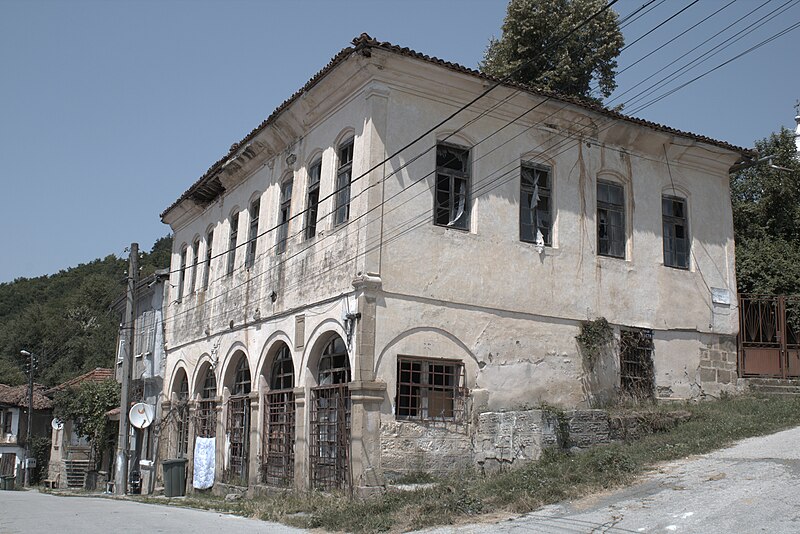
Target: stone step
(788, 390)
(773, 382)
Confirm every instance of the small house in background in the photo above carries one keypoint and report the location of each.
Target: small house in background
(71, 457)
(14, 415)
(147, 374)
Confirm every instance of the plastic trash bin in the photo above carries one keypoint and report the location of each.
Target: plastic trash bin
(174, 477)
(7, 482)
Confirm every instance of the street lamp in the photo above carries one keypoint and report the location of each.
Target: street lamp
(30, 416)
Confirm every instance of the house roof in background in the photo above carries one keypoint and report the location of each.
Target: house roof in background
(98, 374)
(18, 396)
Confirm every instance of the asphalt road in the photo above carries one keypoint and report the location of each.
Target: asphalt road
(31, 511)
(751, 487)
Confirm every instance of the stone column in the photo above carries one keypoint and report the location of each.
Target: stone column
(366, 394)
(301, 473)
(254, 453)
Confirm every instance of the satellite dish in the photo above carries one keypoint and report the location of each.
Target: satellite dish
(57, 424)
(141, 415)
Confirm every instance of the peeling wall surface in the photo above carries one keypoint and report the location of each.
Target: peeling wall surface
(490, 320)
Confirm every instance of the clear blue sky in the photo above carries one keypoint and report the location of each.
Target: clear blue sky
(110, 110)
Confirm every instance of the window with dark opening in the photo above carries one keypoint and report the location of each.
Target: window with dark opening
(182, 273)
(637, 374)
(252, 238)
(451, 202)
(430, 389)
(330, 419)
(312, 199)
(676, 232)
(534, 205)
(234, 236)
(195, 264)
(610, 219)
(207, 408)
(344, 176)
(207, 272)
(284, 216)
(278, 467)
(183, 417)
(241, 380)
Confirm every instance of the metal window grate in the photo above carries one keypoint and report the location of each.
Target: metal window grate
(206, 418)
(330, 437)
(278, 454)
(238, 432)
(637, 374)
(430, 389)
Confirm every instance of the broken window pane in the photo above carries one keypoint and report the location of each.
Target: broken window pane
(534, 208)
(451, 197)
(610, 219)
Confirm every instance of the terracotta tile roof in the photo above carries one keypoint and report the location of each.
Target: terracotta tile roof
(18, 396)
(207, 187)
(97, 374)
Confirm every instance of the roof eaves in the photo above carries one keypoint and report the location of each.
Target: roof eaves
(363, 43)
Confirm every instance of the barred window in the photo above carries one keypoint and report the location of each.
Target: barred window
(207, 407)
(451, 202)
(241, 381)
(430, 389)
(534, 204)
(676, 232)
(610, 219)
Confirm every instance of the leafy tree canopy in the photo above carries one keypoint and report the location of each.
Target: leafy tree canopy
(65, 318)
(531, 49)
(766, 219)
(86, 406)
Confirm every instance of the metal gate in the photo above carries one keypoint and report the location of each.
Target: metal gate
(239, 433)
(768, 335)
(278, 454)
(330, 437)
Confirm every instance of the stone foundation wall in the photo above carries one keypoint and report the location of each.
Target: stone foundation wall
(718, 365)
(429, 446)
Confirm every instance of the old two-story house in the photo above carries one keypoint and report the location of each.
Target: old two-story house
(406, 244)
(14, 414)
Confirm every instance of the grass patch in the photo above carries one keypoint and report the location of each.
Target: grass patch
(557, 476)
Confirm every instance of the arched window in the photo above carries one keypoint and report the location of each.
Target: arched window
(241, 382)
(279, 421)
(282, 376)
(334, 365)
(207, 407)
(182, 440)
(330, 419)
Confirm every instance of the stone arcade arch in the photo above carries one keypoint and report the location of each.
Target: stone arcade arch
(329, 452)
(278, 435)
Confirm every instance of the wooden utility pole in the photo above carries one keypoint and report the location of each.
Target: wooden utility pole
(126, 347)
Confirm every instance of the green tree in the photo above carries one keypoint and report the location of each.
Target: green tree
(86, 406)
(766, 219)
(536, 48)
